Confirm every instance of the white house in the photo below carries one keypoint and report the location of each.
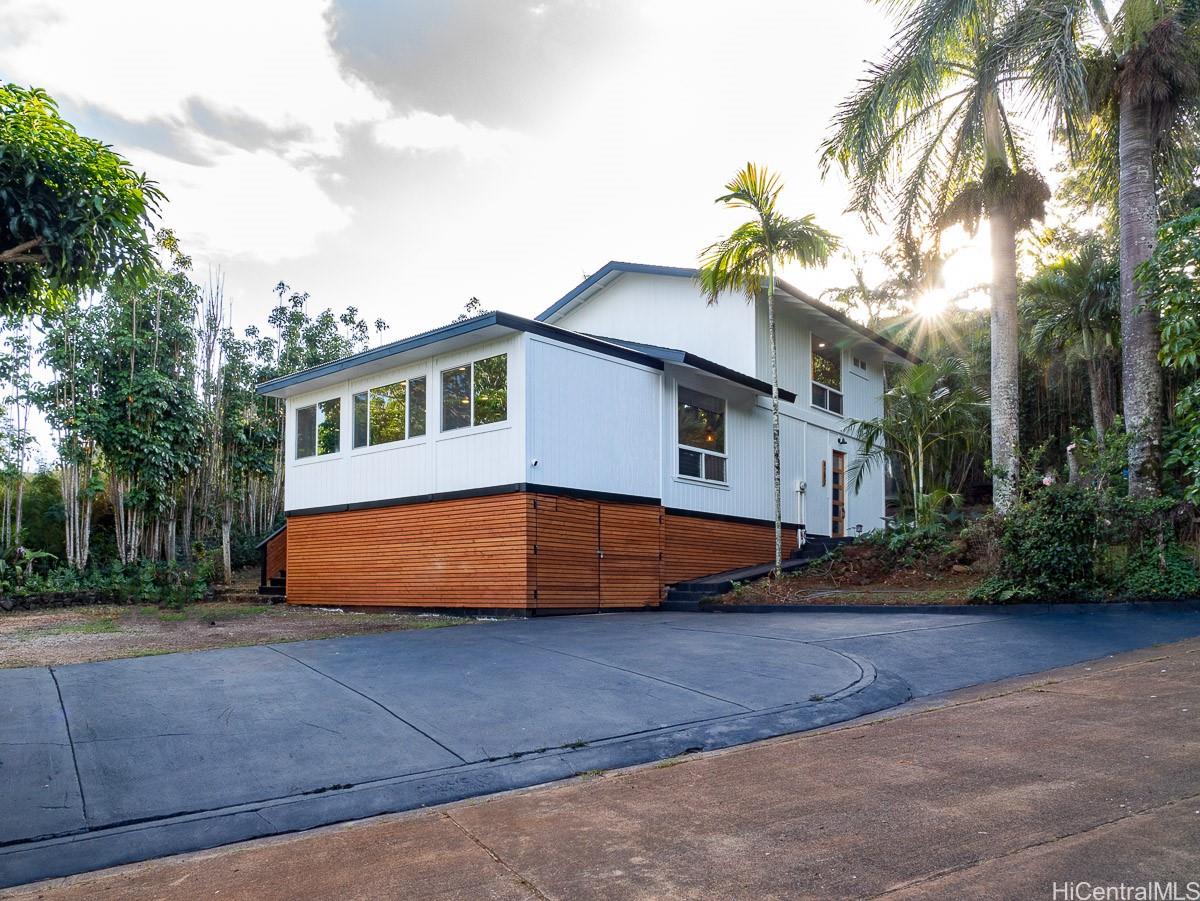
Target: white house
(617, 444)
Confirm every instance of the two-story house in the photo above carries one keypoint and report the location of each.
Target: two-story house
(586, 459)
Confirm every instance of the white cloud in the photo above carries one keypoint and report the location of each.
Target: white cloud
(231, 106)
(250, 204)
(423, 131)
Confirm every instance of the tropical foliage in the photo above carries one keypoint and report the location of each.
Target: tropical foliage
(72, 212)
(932, 421)
(746, 262)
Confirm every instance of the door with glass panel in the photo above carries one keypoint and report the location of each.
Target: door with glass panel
(837, 522)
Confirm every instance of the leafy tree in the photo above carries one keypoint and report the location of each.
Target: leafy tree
(15, 440)
(1171, 278)
(930, 139)
(1072, 303)
(1136, 130)
(745, 263)
(70, 349)
(73, 213)
(147, 414)
(890, 297)
(933, 415)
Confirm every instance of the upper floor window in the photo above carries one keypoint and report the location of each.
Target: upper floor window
(475, 393)
(701, 435)
(319, 428)
(826, 375)
(390, 413)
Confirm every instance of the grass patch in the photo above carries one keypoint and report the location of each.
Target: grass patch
(92, 627)
(173, 616)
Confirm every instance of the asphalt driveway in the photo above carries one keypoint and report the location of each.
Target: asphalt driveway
(111, 762)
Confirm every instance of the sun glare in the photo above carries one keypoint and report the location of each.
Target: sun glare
(932, 304)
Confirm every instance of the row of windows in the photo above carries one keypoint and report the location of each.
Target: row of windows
(472, 394)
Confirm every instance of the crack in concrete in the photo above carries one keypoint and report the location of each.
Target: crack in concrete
(1096, 827)
(367, 697)
(522, 879)
(631, 672)
(71, 742)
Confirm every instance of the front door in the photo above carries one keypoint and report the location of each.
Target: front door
(837, 526)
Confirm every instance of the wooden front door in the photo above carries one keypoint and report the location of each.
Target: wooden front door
(566, 556)
(837, 494)
(630, 554)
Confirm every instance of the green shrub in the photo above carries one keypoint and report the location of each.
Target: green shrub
(1151, 574)
(1076, 543)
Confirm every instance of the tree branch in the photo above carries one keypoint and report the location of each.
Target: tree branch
(20, 254)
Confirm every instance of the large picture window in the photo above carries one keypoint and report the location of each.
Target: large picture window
(475, 393)
(319, 429)
(390, 413)
(701, 435)
(826, 375)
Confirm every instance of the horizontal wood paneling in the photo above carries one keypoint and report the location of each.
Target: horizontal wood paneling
(631, 565)
(495, 551)
(470, 552)
(277, 555)
(695, 546)
(565, 565)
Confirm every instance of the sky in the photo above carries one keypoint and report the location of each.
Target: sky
(402, 157)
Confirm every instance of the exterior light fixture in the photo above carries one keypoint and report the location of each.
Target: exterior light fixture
(858, 529)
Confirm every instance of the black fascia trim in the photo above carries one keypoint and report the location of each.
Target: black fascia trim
(267, 540)
(845, 320)
(454, 330)
(511, 488)
(732, 375)
(727, 517)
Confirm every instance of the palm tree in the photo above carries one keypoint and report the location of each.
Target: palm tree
(932, 415)
(745, 262)
(929, 138)
(1073, 305)
(1130, 109)
(1144, 83)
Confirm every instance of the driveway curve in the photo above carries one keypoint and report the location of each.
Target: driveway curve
(118, 761)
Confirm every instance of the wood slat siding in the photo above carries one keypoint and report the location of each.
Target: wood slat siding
(565, 567)
(631, 568)
(497, 551)
(277, 555)
(468, 552)
(696, 546)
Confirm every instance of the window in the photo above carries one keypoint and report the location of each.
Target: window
(859, 363)
(701, 436)
(475, 393)
(826, 375)
(390, 413)
(319, 429)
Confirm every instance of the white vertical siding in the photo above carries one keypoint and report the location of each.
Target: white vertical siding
(593, 421)
(669, 311)
(477, 457)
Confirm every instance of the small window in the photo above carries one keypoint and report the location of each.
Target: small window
(701, 422)
(319, 429)
(826, 375)
(390, 413)
(859, 363)
(475, 393)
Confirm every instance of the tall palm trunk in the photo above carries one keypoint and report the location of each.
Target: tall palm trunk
(1004, 383)
(775, 420)
(1098, 391)
(1005, 374)
(1141, 374)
